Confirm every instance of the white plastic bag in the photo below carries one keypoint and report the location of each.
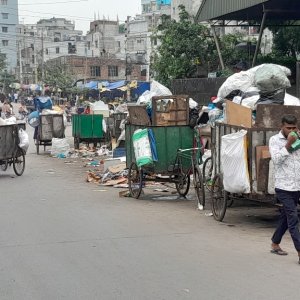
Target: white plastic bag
(60, 147)
(24, 139)
(291, 100)
(142, 148)
(234, 163)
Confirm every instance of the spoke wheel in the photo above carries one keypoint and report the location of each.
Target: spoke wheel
(135, 180)
(219, 198)
(19, 162)
(4, 165)
(208, 172)
(199, 186)
(183, 184)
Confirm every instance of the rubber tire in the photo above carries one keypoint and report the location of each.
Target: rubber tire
(19, 159)
(199, 186)
(137, 180)
(4, 166)
(183, 191)
(206, 171)
(219, 198)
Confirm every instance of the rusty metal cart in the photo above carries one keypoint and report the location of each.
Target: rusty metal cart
(50, 126)
(268, 122)
(10, 152)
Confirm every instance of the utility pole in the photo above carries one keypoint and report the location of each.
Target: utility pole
(43, 57)
(35, 61)
(20, 63)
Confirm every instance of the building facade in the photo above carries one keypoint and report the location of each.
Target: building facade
(85, 69)
(8, 35)
(48, 39)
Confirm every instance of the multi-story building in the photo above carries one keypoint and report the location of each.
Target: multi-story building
(8, 37)
(48, 39)
(105, 39)
(84, 68)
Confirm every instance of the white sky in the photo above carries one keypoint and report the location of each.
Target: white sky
(80, 11)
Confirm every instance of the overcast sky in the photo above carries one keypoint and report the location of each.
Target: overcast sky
(80, 11)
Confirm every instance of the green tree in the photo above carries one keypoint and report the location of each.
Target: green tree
(286, 39)
(2, 61)
(58, 76)
(6, 79)
(184, 48)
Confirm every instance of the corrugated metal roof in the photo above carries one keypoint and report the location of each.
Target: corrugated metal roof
(248, 10)
(214, 9)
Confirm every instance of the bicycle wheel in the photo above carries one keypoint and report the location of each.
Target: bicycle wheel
(135, 180)
(4, 165)
(199, 186)
(219, 198)
(19, 162)
(183, 184)
(207, 171)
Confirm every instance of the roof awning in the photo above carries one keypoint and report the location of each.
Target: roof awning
(249, 10)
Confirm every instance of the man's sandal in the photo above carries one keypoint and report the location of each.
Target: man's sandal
(279, 252)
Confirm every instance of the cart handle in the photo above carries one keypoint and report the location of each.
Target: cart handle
(190, 149)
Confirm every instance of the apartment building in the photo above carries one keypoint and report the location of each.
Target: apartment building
(45, 40)
(8, 37)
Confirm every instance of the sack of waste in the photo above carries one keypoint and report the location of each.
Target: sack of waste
(142, 147)
(60, 147)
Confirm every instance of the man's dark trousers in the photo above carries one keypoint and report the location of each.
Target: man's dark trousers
(288, 218)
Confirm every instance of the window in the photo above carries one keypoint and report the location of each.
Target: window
(4, 16)
(113, 71)
(3, 2)
(95, 71)
(4, 42)
(96, 44)
(47, 51)
(89, 45)
(57, 50)
(4, 29)
(32, 59)
(32, 46)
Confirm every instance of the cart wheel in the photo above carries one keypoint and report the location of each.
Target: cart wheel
(219, 198)
(229, 202)
(207, 172)
(19, 162)
(76, 142)
(183, 184)
(199, 186)
(4, 165)
(135, 180)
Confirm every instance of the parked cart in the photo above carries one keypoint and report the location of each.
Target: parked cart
(10, 152)
(268, 118)
(50, 126)
(87, 128)
(178, 159)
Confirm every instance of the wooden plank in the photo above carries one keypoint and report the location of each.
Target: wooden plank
(238, 115)
(138, 115)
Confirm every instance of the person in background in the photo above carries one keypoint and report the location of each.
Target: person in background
(87, 110)
(287, 182)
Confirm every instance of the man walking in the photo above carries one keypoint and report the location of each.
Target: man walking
(287, 182)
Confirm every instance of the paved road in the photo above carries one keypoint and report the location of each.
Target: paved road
(62, 238)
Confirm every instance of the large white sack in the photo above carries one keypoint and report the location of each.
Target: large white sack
(60, 147)
(23, 139)
(142, 147)
(234, 162)
(291, 100)
(158, 89)
(238, 81)
(270, 78)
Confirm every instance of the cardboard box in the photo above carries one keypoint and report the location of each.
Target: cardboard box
(238, 115)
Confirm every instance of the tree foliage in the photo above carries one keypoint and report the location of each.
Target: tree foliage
(286, 40)
(187, 47)
(183, 48)
(2, 61)
(58, 76)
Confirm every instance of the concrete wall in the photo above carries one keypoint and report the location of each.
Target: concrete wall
(200, 89)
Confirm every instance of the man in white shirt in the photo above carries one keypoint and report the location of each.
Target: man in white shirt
(287, 182)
